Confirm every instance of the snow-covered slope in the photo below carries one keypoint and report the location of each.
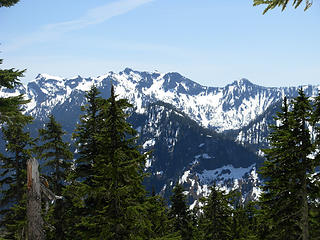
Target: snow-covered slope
(224, 108)
(196, 157)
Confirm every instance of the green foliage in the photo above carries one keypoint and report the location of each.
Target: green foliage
(10, 107)
(78, 203)
(216, 221)
(289, 172)
(180, 214)
(271, 4)
(109, 190)
(56, 154)
(8, 3)
(13, 177)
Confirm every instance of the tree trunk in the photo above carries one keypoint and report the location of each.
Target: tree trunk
(34, 218)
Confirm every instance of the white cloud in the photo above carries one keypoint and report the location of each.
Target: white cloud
(98, 15)
(91, 17)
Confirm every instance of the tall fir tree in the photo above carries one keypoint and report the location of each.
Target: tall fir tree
(180, 214)
(79, 204)
(216, 220)
(110, 189)
(119, 196)
(315, 188)
(287, 171)
(57, 160)
(13, 177)
(278, 170)
(86, 134)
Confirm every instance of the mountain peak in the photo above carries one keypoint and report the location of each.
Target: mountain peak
(127, 70)
(47, 76)
(243, 82)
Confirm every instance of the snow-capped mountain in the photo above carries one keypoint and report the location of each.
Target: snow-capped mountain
(225, 108)
(186, 148)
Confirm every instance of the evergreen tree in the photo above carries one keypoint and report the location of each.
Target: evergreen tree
(161, 225)
(57, 156)
(111, 192)
(287, 172)
(271, 4)
(216, 221)
(86, 134)
(13, 177)
(315, 188)
(120, 210)
(244, 222)
(78, 203)
(10, 106)
(277, 201)
(180, 213)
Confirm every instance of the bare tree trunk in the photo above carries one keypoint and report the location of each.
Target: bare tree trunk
(34, 218)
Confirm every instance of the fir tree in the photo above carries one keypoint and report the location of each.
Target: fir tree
(112, 193)
(315, 188)
(79, 204)
(56, 154)
(180, 213)
(86, 134)
(10, 106)
(158, 214)
(216, 221)
(13, 177)
(287, 172)
(120, 210)
(244, 222)
(278, 170)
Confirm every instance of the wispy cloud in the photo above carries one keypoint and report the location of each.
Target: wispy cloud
(91, 17)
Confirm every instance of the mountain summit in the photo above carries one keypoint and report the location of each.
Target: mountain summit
(219, 108)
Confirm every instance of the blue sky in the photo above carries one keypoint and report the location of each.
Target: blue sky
(209, 41)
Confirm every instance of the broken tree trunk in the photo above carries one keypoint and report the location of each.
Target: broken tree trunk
(34, 218)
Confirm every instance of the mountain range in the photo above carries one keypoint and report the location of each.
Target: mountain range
(198, 135)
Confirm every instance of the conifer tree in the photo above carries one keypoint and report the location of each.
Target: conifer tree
(161, 225)
(13, 177)
(119, 196)
(86, 134)
(278, 171)
(216, 221)
(287, 172)
(10, 106)
(111, 191)
(180, 213)
(244, 222)
(79, 204)
(56, 154)
(315, 188)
